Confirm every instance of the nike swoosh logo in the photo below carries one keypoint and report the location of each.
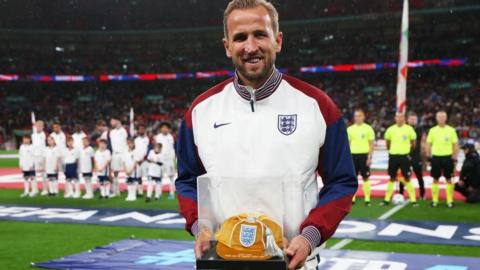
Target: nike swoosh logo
(215, 125)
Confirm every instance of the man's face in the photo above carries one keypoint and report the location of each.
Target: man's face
(412, 120)
(252, 44)
(56, 128)
(141, 130)
(114, 123)
(39, 126)
(164, 130)
(441, 118)
(359, 117)
(400, 119)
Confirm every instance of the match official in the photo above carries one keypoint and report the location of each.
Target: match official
(400, 139)
(361, 137)
(442, 142)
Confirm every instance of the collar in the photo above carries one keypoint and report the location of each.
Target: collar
(263, 91)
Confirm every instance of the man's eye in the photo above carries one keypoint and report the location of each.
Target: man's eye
(239, 38)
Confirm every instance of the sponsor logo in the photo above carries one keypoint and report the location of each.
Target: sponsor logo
(215, 125)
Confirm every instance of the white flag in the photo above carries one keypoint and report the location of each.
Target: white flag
(403, 62)
(132, 128)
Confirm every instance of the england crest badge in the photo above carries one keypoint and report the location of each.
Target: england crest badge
(248, 234)
(287, 124)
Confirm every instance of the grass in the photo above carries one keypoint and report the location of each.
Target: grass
(24, 242)
(11, 196)
(8, 152)
(9, 163)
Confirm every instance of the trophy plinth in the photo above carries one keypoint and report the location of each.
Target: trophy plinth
(211, 260)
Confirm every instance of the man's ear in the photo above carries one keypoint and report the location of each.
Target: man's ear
(279, 40)
(226, 46)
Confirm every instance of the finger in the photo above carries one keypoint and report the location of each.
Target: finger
(295, 262)
(198, 251)
(205, 246)
(290, 251)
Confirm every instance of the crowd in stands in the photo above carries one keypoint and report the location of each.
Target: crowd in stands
(455, 90)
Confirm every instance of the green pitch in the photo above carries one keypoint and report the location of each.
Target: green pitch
(26, 242)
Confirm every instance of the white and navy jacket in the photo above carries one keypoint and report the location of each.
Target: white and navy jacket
(293, 128)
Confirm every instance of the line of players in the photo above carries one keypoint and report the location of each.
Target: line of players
(404, 148)
(143, 159)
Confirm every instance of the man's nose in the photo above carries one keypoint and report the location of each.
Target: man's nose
(251, 45)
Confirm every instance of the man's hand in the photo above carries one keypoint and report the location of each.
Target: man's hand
(298, 251)
(201, 246)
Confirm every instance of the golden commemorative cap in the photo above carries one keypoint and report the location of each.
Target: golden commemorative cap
(249, 237)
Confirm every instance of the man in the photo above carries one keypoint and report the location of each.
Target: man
(415, 155)
(59, 136)
(400, 139)
(39, 143)
(262, 122)
(469, 184)
(78, 136)
(142, 144)
(100, 129)
(61, 143)
(442, 148)
(361, 137)
(117, 142)
(165, 138)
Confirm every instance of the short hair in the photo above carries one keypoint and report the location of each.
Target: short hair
(167, 124)
(412, 113)
(159, 145)
(40, 122)
(27, 137)
(130, 140)
(69, 139)
(247, 4)
(359, 110)
(101, 123)
(102, 141)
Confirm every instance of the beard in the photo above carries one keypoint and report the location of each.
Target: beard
(258, 76)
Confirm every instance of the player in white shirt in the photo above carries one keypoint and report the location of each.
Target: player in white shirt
(27, 164)
(102, 163)
(60, 141)
(155, 158)
(78, 136)
(142, 143)
(86, 168)
(52, 165)
(117, 140)
(39, 143)
(168, 148)
(71, 156)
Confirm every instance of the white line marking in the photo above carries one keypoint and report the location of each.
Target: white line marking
(342, 243)
(384, 216)
(392, 211)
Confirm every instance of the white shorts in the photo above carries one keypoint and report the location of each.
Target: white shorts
(39, 163)
(116, 164)
(144, 169)
(169, 169)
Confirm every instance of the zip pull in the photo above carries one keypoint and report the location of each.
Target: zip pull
(253, 99)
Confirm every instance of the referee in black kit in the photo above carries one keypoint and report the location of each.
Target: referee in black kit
(415, 154)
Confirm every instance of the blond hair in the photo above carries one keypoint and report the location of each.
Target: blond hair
(247, 4)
